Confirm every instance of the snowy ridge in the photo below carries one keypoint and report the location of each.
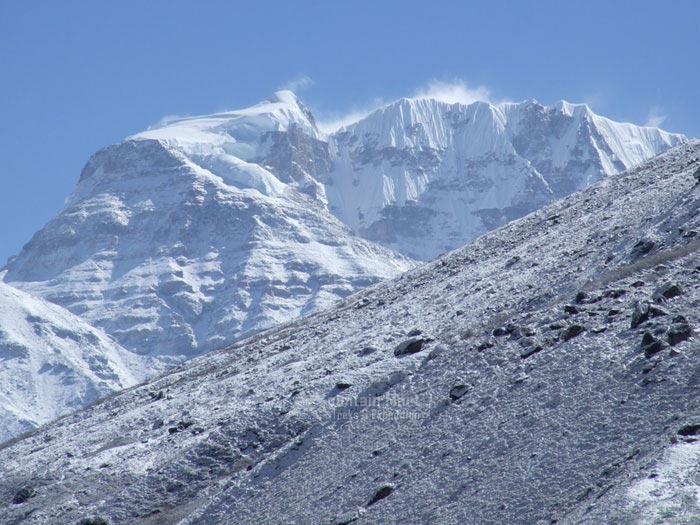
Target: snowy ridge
(53, 362)
(531, 377)
(461, 170)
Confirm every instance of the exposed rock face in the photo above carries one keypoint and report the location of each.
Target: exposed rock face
(587, 430)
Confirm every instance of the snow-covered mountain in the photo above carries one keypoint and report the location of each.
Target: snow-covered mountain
(52, 362)
(185, 237)
(536, 376)
(425, 177)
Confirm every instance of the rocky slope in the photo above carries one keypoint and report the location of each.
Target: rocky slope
(546, 373)
(52, 362)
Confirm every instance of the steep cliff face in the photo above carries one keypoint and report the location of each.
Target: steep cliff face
(425, 177)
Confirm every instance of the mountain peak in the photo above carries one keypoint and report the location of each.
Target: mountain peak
(569, 108)
(281, 112)
(285, 96)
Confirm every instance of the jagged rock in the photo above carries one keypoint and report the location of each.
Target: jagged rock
(643, 247)
(181, 426)
(23, 495)
(667, 291)
(696, 175)
(651, 345)
(572, 331)
(414, 332)
(381, 493)
(689, 430)
(458, 391)
(643, 311)
(640, 314)
(655, 311)
(157, 396)
(343, 385)
(580, 297)
(410, 346)
(367, 350)
(571, 309)
(531, 351)
(679, 331)
(94, 521)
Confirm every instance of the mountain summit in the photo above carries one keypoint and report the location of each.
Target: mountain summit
(425, 177)
(185, 237)
(202, 230)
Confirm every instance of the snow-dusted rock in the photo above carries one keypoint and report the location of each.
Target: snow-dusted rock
(52, 362)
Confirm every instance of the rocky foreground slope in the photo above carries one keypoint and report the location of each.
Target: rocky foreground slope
(546, 373)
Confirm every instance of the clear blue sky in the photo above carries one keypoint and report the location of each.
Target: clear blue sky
(75, 76)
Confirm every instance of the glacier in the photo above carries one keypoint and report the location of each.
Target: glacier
(425, 177)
